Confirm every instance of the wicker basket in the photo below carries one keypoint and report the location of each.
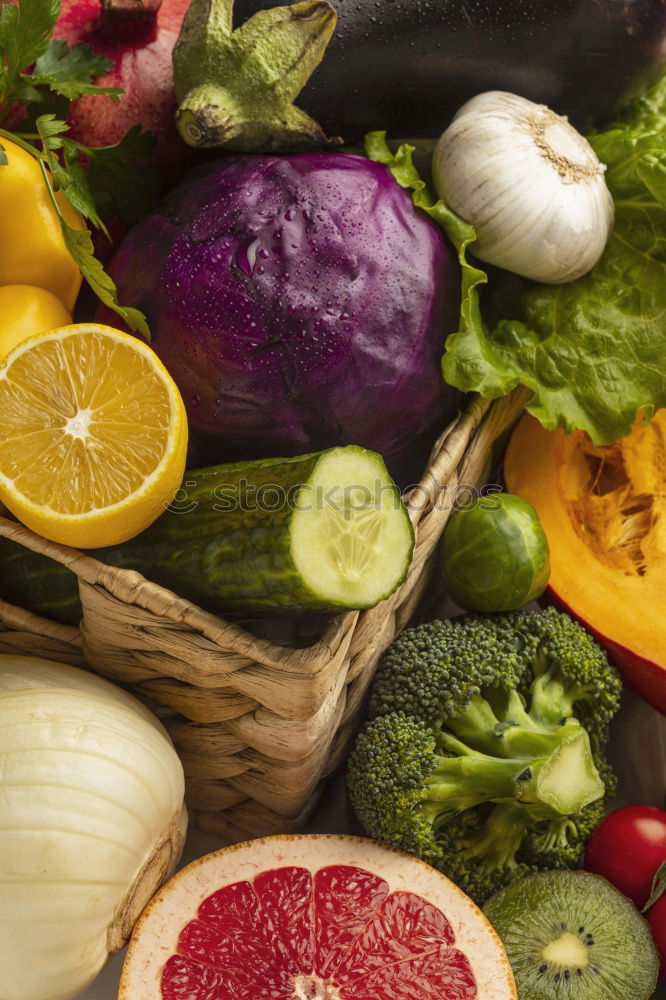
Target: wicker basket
(258, 725)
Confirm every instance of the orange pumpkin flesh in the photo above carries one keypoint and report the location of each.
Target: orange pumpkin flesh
(603, 510)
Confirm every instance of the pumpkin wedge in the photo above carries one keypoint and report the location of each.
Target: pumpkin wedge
(603, 509)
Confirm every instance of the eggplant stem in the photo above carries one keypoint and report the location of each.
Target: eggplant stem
(236, 89)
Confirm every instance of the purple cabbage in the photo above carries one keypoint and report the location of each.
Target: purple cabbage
(299, 302)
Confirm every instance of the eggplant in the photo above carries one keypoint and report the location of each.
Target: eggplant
(408, 65)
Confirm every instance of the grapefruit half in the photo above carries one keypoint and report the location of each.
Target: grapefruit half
(318, 917)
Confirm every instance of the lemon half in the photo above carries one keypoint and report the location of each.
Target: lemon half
(93, 435)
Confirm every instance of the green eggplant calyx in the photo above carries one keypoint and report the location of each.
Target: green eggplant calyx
(236, 88)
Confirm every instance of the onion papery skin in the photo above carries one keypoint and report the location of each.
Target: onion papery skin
(92, 823)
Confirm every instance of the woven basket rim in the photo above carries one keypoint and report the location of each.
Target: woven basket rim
(14, 618)
(130, 587)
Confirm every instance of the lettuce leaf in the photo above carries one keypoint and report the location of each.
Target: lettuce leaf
(592, 351)
(459, 232)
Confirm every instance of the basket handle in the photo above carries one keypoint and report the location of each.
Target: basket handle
(18, 620)
(85, 567)
(446, 455)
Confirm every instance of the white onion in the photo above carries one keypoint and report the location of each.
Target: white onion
(530, 185)
(91, 823)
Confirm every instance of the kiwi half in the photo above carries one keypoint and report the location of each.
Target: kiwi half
(572, 936)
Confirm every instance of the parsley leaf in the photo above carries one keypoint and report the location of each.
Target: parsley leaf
(75, 185)
(116, 184)
(46, 103)
(80, 245)
(45, 74)
(70, 71)
(70, 178)
(103, 181)
(25, 93)
(50, 132)
(24, 37)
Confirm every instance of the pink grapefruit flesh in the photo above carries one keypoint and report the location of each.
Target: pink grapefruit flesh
(314, 918)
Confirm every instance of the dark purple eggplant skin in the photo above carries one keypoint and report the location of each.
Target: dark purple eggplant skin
(408, 65)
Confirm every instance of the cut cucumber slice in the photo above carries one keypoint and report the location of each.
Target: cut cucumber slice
(351, 538)
(317, 533)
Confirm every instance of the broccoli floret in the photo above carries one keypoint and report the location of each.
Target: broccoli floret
(434, 670)
(484, 753)
(464, 858)
(569, 672)
(560, 843)
(387, 781)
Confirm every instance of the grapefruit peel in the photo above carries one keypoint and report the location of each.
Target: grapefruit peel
(383, 925)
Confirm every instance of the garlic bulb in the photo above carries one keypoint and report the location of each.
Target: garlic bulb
(92, 822)
(529, 183)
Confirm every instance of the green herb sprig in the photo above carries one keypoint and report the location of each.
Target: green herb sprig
(39, 77)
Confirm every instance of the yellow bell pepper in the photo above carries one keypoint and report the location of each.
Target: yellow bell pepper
(32, 249)
(25, 311)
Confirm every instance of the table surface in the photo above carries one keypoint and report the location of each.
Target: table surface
(640, 764)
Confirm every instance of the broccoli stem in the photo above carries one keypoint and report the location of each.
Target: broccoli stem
(477, 726)
(552, 698)
(519, 742)
(569, 780)
(558, 783)
(497, 842)
(466, 780)
(504, 728)
(558, 835)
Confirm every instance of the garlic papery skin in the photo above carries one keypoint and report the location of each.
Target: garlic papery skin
(92, 822)
(530, 185)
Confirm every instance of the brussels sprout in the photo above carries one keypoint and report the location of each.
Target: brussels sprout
(495, 554)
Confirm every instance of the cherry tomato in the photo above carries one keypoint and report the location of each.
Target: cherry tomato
(627, 848)
(656, 918)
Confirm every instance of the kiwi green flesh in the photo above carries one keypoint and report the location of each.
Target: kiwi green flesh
(572, 936)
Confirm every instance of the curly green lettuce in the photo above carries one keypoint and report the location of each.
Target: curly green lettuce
(591, 351)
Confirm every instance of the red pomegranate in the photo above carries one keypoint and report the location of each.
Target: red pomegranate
(138, 36)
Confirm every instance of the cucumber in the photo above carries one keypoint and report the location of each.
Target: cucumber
(318, 533)
(38, 584)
